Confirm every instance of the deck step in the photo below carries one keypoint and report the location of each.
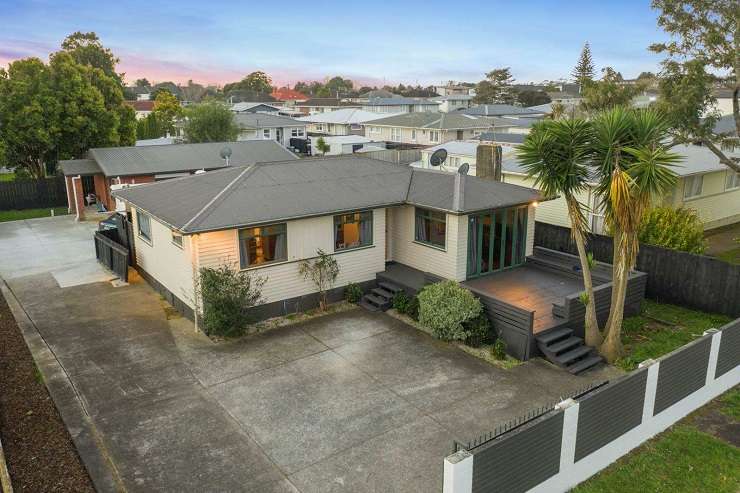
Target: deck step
(585, 364)
(383, 293)
(390, 287)
(571, 357)
(554, 335)
(562, 346)
(368, 306)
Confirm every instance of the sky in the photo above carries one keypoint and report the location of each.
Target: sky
(409, 42)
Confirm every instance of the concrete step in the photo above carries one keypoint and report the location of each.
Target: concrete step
(368, 306)
(380, 302)
(390, 287)
(383, 293)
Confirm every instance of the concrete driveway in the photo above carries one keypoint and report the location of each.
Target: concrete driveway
(354, 402)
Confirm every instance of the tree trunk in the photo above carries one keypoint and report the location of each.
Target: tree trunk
(593, 336)
(615, 283)
(611, 349)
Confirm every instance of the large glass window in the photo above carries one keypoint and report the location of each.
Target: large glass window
(262, 245)
(353, 230)
(496, 240)
(430, 227)
(144, 226)
(692, 186)
(733, 180)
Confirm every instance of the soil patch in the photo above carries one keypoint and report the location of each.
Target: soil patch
(38, 449)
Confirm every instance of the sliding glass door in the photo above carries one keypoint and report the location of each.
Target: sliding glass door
(496, 240)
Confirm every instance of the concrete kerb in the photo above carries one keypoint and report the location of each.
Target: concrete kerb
(75, 416)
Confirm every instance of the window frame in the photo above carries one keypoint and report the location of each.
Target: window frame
(147, 238)
(296, 132)
(686, 186)
(734, 176)
(369, 215)
(266, 133)
(432, 135)
(244, 255)
(176, 235)
(396, 134)
(428, 214)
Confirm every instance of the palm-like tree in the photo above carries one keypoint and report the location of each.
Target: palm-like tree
(557, 154)
(631, 152)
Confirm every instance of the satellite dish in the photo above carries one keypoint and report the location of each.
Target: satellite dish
(438, 157)
(463, 169)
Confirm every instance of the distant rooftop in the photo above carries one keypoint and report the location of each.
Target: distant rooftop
(442, 121)
(398, 101)
(265, 120)
(500, 110)
(344, 116)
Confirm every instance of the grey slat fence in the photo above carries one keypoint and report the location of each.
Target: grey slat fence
(681, 278)
(112, 254)
(33, 194)
(396, 156)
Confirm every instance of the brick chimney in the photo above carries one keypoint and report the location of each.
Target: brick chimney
(488, 162)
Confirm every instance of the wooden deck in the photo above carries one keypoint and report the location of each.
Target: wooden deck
(532, 288)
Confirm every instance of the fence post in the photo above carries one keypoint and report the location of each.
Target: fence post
(458, 473)
(713, 354)
(570, 433)
(651, 386)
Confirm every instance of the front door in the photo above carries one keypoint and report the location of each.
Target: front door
(279, 135)
(497, 240)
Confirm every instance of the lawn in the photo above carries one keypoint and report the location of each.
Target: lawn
(660, 328)
(7, 176)
(15, 215)
(685, 458)
(731, 256)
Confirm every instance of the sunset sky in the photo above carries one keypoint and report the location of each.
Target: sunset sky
(411, 42)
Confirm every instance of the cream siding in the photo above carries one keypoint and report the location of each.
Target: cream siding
(532, 215)
(716, 206)
(449, 263)
(304, 237)
(169, 264)
(422, 137)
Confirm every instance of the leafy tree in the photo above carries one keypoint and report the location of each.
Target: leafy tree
(149, 128)
(168, 86)
(167, 111)
(86, 49)
(532, 98)
(258, 82)
(339, 87)
(704, 33)
(607, 93)
(210, 121)
(496, 88)
(322, 146)
(557, 155)
(674, 228)
(142, 83)
(583, 73)
(323, 271)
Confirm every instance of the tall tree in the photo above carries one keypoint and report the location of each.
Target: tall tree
(557, 155)
(607, 93)
(533, 98)
(706, 33)
(583, 73)
(167, 111)
(87, 49)
(210, 121)
(496, 88)
(142, 83)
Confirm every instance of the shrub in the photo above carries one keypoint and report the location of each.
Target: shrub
(412, 310)
(677, 229)
(478, 330)
(353, 292)
(444, 307)
(401, 302)
(323, 271)
(226, 296)
(498, 350)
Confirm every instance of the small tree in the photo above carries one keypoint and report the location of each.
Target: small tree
(446, 308)
(323, 271)
(226, 295)
(210, 121)
(322, 146)
(677, 229)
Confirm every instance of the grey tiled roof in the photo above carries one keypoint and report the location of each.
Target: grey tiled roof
(442, 121)
(270, 192)
(151, 160)
(499, 110)
(399, 100)
(74, 167)
(263, 120)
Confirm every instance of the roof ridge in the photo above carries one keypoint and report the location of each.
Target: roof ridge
(248, 170)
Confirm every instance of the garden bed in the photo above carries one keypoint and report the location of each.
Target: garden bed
(38, 449)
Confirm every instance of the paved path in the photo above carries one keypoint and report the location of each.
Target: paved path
(354, 401)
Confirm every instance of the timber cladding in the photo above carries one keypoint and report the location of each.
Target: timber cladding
(729, 348)
(607, 413)
(682, 373)
(522, 460)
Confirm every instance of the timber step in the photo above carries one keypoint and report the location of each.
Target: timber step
(560, 347)
(380, 298)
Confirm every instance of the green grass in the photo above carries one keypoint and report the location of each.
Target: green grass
(15, 215)
(660, 328)
(731, 256)
(681, 460)
(730, 401)
(7, 176)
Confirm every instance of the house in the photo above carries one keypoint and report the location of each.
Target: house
(504, 110)
(423, 129)
(104, 167)
(400, 105)
(323, 105)
(572, 98)
(375, 93)
(453, 102)
(259, 126)
(346, 144)
(269, 217)
(451, 89)
(724, 100)
(704, 184)
(253, 107)
(347, 121)
(142, 107)
(288, 96)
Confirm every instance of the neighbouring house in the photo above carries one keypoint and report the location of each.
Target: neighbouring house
(424, 129)
(704, 184)
(724, 100)
(108, 166)
(504, 110)
(564, 97)
(400, 105)
(347, 121)
(453, 102)
(141, 107)
(375, 93)
(288, 96)
(247, 107)
(346, 144)
(268, 217)
(451, 89)
(323, 105)
(261, 126)
(155, 142)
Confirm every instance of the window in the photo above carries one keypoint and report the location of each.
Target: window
(353, 230)
(434, 136)
(413, 134)
(296, 132)
(733, 180)
(692, 186)
(396, 134)
(144, 226)
(319, 127)
(355, 126)
(177, 239)
(263, 245)
(266, 133)
(430, 227)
